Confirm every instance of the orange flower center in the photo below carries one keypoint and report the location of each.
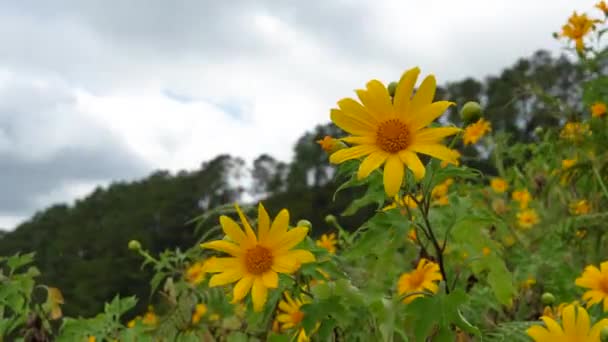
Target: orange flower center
(393, 136)
(604, 284)
(258, 260)
(416, 279)
(297, 317)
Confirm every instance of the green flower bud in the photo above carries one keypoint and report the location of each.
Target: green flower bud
(470, 112)
(330, 219)
(304, 223)
(547, 298)
(134, 245)
(538, 130)
(392, 88)
(604, 334)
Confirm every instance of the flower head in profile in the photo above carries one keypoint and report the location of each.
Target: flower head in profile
(392, 132)
(290, 315)
(581, 207)
(329, 144)
(54, 301)
(523, 197)
(596, 280)
(329, 242)
(195, 273)
(423, 278)
(527, 218)
(578, 26)
(255, 261)
(499, 185)
(598, 109)
(199, 311)
(575, 322)
(475, 131)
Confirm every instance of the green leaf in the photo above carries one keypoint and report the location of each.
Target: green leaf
(16, 261)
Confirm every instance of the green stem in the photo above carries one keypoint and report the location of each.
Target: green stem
(599, 179)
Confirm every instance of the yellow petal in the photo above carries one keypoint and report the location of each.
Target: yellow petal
(568, 319)
(289, 239)
(259, 293)
(404, 91)
(355, 152)
(230, 276)
(371, 163)
(270, 279)
(438, 151)
(434, 135)
(284, 264)
(393, 175)
(350, 123)
(552, 325)
(376, 101)
(582, 323)
(301, 256)
(428, 114)
(221, 264)
(263, 223)
(283, 318)
(424, 95)
(242, 288)
(604, 267)
(278, 228)
(594, 334)
(539, 334)
(413, 163)
(362, 140)
(355, 109)
(223, 246)
(248, 230)
(232, 229)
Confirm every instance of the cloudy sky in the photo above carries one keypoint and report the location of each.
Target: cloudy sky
(97, 90)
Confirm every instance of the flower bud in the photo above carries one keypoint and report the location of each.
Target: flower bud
(392, 88)
(604, 334)
(470, 112)
(547, 298)
(134, 245)
(304, 223)
(538, 130)
(330, 144)
(330, 219)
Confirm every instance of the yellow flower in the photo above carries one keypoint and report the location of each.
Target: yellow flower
(439, 194)
(602, 6)
(150, 317)
(328, 242)
(199, 311)
(91, 339)
(598, 109)
(523, 197)
(391, 133)
(499, 185)
(568, 163)
(423, 278)
(290, 314)
(527, 218)
(328, 144)
(412, 235)
(574, 131)
(195, 273)
(486, 251)
(581, 207)
(528, 283)
(577, 28)
(575, 327)
(596, 280)
(475, 131)
(54, 300)
(407, 200)
(256, 261)
(133, 322)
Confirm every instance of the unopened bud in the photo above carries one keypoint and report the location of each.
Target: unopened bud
(547, 298)
(471, 112)
(134, 245)
(304, 223)
(392, 88)
(330, 219)
(538, 130)
(330, 144)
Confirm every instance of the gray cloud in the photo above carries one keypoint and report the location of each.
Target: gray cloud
(45, 143)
